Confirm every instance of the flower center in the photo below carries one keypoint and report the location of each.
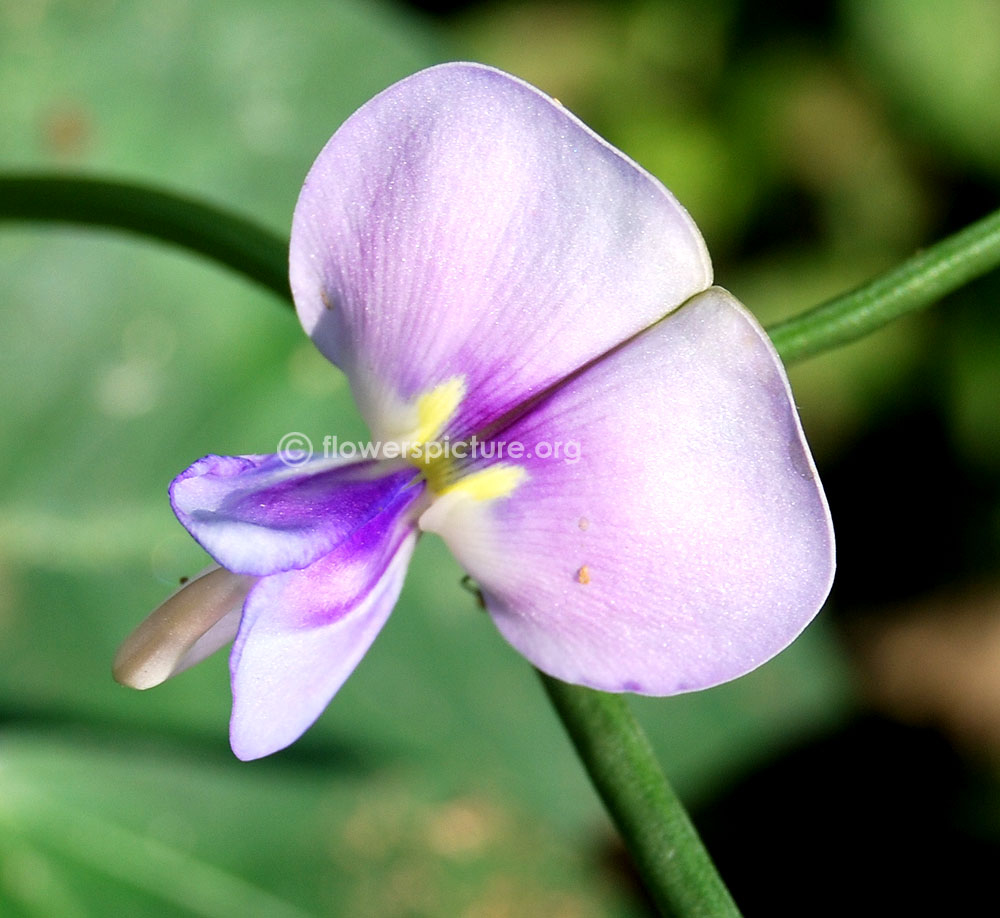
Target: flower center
(455, 467)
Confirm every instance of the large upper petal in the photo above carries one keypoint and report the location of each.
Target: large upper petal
(687, 543)
(304, 631)
(464, 226)
(257, 515)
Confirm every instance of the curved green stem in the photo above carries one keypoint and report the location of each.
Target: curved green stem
(224, 237)
(261, 254)
(677, 870)
(916, 283)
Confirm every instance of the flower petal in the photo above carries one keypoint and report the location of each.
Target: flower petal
(686, 539)
(189, 625)
(304, 631)
(462, 233)
(257, 515)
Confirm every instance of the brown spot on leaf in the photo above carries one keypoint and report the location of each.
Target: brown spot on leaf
(67, 131)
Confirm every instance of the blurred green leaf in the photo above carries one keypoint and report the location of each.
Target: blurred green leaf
(92, 829)
(941, 64)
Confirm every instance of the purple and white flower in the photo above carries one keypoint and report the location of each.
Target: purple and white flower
(481, 264)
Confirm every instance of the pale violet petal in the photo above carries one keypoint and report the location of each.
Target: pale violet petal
(678, 537)
(464, 230)
(257, 515)
(304, 631)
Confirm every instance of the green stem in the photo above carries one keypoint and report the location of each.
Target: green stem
(669, 855)
(915, 284)
(234, 241)
(261, 254)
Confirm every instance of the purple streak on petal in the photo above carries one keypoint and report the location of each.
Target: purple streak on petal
(304, 631)
(688, 543)
(464, 224)
(256, 515)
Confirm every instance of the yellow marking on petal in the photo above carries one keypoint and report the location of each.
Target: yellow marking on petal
(583, 575)
(584, 523)
(436, 408)
(489, 483)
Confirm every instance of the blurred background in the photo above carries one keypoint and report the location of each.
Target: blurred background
(857, 771)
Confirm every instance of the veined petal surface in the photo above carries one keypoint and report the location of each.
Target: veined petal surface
(689, 542)
(257, 515)
(304, 631)
(464, 226)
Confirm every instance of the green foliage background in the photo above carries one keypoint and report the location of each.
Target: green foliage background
(813, 153)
